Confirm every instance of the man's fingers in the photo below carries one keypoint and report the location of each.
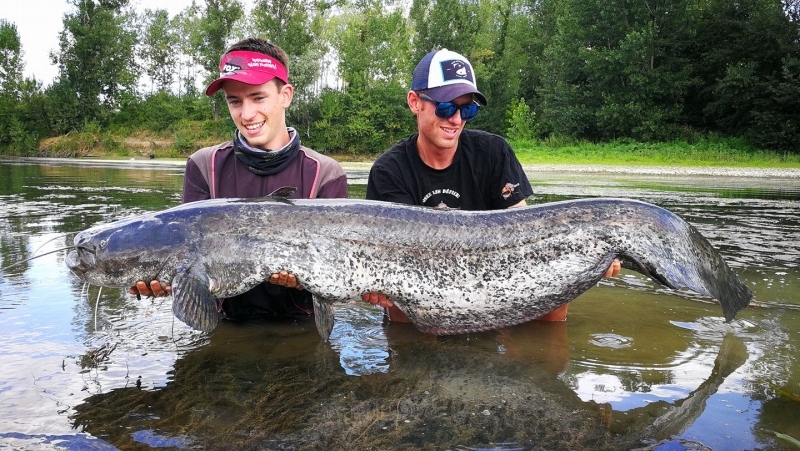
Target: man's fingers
(143, 289)
(285, 279)
(155, 287)
(614, 269)
(377, 299)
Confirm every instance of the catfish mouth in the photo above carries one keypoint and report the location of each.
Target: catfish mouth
(80, 261)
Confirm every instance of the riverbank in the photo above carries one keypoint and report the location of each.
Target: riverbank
(530, 169)
(707, 151)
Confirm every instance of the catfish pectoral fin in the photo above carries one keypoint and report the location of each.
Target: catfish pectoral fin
(193, 302)
(323, 316)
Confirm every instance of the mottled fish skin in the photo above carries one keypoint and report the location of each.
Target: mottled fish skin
(449, 271)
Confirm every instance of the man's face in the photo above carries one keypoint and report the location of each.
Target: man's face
(259, 112)
(441, 134)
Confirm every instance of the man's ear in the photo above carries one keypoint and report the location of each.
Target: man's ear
(413, 102)
(287, 94)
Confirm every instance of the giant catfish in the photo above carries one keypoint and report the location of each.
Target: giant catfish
(448, 271)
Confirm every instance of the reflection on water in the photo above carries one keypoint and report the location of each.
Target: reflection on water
(635, 366)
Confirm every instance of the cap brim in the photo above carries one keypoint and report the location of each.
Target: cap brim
(453, 91)
(254, 78)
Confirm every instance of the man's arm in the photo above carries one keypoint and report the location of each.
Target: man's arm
(194, 184)
(387, 186)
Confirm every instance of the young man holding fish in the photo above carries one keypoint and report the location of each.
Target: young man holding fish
(264, 156)
(444, 165)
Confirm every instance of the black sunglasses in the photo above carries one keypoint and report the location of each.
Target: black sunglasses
(445, 110)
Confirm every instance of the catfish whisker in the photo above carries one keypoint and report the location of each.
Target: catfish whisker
(96, 304)
(37, 256)
(54, 238)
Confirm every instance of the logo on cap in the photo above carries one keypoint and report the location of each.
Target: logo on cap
(229, 69)
(456, 70)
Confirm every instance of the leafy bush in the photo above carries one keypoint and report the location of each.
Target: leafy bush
(520, 121)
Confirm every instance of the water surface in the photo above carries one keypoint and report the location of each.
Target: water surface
(635, 365)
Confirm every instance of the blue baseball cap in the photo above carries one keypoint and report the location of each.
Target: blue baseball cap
(445, 75)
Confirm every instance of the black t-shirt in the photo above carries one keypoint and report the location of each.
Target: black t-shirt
(485, 175)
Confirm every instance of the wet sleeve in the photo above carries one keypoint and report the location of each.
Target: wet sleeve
(194, 185)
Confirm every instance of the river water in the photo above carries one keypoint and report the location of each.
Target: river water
(635, 366)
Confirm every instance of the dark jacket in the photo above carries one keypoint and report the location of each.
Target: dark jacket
(215, 172)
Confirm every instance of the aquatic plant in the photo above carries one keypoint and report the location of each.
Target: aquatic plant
(789, 439)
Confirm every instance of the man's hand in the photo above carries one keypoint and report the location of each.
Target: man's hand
(377, 299)
(285, 279)
(614, 269)
(154, 289)
(393, 313)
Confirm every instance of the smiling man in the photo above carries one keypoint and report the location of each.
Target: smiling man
(263, 156)
(445, 165)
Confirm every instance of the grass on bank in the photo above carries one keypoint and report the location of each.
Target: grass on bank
(704, 152)
(190, 136)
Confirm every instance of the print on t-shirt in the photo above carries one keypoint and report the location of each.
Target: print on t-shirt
(442, 198)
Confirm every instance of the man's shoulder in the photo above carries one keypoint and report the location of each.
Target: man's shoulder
(484, 145)
(206, 152)
(481, 136)
(314, 155)
(398, 153)
(327, 163)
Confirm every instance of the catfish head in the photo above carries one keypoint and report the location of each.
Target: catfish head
(147, 247)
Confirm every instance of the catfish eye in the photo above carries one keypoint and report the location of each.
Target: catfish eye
(103, 243)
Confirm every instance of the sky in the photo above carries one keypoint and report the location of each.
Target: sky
(40, 21)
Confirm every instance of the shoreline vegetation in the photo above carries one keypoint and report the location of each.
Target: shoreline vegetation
(707, 151)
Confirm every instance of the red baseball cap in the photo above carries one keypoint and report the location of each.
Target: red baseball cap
(248, 67)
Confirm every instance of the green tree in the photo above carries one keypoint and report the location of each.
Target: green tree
(11, 63)
(285, 23)
(157, 49)
(745, 54)
(372, 43)
(450, 24)
(611, 70)
(96, 57)
(497, 62)
(520, 121)
(369, 113)
(213, 29)
(187, 28)
(20, 123)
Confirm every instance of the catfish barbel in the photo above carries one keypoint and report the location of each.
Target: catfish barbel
(448, 271)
